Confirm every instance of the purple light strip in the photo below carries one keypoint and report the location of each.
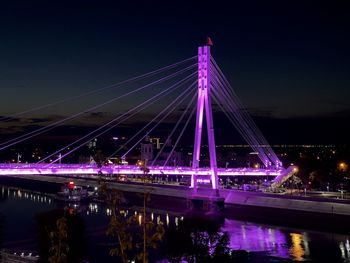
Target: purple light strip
(209, 119)
(87, 169)
(204, 102)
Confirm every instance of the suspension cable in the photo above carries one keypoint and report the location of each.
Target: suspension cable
(116, 85)
(137, 109)
(174, 129)
(166, 115)
(41, 130)
(150, 122)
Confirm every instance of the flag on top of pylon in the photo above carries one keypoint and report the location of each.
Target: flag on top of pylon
(209, 41)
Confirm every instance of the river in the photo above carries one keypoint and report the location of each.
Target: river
(255, 242)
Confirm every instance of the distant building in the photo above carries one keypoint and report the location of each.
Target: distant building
(175, 159)
(151, 147)
(168, 156)
(147, 151)
(156, 142)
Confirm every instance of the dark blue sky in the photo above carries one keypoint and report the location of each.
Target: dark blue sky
(285, 59)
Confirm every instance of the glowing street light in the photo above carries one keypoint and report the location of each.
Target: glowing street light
(342, 166)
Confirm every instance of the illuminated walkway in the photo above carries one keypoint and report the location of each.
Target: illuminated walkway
(87, 169)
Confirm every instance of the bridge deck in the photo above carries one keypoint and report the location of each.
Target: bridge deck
(88, 169)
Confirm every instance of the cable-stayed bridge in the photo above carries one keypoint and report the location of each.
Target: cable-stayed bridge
(187, 90)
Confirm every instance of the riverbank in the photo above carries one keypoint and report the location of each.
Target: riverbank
(293, 211)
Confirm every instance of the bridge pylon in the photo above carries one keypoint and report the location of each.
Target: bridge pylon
(204, 105)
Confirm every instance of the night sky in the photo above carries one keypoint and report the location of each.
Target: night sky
(289, 61)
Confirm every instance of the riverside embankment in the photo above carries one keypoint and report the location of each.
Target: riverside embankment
(293, 210)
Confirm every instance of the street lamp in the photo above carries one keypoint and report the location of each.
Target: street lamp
(19, 156)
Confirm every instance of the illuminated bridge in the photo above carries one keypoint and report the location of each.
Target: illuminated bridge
(87, 169)
(194, 86)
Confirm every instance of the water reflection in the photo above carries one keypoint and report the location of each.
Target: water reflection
(345, 250)
(277, 242)
(252, 237)
(88, 209)
(22, 194)
(297, 250)
(282, 243)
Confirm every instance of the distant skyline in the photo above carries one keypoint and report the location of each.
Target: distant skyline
(285, 59)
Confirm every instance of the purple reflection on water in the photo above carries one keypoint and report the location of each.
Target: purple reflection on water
(249, 237)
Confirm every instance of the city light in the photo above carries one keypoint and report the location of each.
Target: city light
(342, 166)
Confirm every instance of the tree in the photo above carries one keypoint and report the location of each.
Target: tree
(222, 251)
(201, 241)
(151, 234)
(59, 245)
(60, 235)
(118, 225)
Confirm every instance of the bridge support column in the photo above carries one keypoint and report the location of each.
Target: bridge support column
(206, 204)
(204, 105)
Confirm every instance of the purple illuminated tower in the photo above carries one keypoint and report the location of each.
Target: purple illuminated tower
(204, 105)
